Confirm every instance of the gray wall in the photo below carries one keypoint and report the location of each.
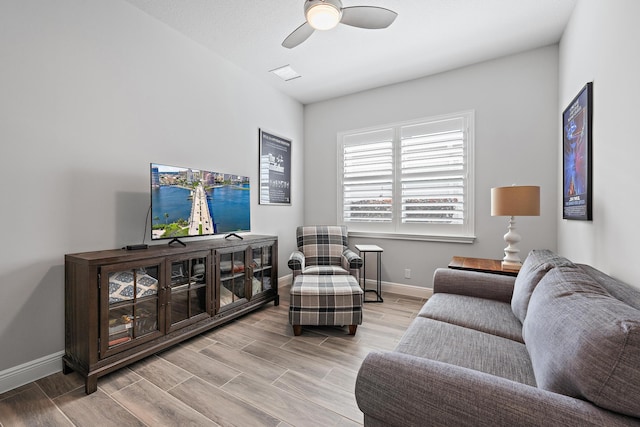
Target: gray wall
(92, 92)
(601, 45)
(515, 103)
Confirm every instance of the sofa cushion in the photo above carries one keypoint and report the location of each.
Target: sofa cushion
(467, 348)
(617, 289)
(535, 266)
(324, 270)
(484, 315)
(583, 342)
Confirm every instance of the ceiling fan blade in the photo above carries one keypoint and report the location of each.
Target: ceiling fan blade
(371, 17)
(298, 35)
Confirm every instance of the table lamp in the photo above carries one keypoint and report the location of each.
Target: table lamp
(521, 200)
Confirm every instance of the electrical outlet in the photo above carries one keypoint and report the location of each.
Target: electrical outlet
(407, 273)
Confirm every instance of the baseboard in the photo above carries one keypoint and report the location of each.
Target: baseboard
(402, 289)
(31, 371)
(395, 288)
(285, 280)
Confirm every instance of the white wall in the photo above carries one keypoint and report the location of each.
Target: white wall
(92, 92)
(600, 45)
(515, 103)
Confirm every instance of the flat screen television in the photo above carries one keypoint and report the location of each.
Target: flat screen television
(187, 202)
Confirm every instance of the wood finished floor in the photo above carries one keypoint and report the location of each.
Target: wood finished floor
(250, 372)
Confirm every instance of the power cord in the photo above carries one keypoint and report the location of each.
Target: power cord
(146, 223)
(144, 237)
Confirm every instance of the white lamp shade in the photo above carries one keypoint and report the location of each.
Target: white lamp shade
(523, 200)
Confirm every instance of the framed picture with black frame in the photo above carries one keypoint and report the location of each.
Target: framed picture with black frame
(275, 169)
(577, 161)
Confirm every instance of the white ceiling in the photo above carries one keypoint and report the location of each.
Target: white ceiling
(427, 37)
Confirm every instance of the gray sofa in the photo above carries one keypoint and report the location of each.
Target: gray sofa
(558, 345)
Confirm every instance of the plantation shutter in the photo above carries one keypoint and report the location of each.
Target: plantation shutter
(432, 172)
(367, 177)
(412, 180)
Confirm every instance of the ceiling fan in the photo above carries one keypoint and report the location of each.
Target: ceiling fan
(326, 14)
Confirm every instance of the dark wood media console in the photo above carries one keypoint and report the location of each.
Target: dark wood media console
(122, 306)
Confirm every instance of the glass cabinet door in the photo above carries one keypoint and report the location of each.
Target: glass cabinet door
(132, 309)
(233, 277)
(262, 268)
(188, 299)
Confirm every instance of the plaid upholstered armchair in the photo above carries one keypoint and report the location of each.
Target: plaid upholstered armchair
(323, 250)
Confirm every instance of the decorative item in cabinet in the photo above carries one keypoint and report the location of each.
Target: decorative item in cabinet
(133, 313)
(233, 281)
(261, 269)
(188, 300)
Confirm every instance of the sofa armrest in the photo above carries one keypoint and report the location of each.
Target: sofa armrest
(395, 389)
(353, 259)
(473, 283)
(352, 262)
(296, 262)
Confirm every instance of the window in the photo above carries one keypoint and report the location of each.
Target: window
(409, 180)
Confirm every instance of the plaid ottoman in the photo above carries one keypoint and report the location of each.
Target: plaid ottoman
(325, 300)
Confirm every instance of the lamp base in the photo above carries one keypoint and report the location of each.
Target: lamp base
(511, 252)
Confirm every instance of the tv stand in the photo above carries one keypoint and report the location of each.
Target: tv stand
(233, 235)
(178, 293)
(175, 239)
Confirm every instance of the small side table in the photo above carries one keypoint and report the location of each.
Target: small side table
(484, 265)
(364, 249)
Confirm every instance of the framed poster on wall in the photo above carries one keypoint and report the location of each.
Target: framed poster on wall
(577, 161)
(275, 169)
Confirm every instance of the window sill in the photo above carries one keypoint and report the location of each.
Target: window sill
(416, 237)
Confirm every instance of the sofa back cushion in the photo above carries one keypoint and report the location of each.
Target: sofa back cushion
(535, 266)
(322, 244)
(616, 288)
(583, 342)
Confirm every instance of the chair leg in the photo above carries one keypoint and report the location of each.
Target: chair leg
(352, 329)
(297, 329)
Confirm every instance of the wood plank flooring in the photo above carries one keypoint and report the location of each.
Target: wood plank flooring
(250, 372)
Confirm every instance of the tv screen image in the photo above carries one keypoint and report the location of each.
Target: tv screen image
(188, 202)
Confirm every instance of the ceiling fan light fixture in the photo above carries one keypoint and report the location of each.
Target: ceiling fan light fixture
(323, 16)
(326, 14)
